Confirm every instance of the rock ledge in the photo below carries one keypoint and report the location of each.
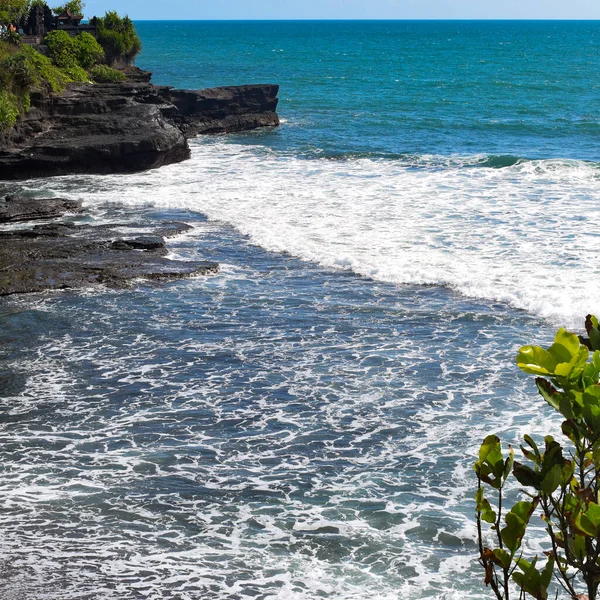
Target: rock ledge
(126, 127)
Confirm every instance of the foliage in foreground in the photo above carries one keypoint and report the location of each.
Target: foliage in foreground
(560, 483)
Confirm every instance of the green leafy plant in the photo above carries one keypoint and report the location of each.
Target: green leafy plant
(47, 76)
(88, 52)
(20, 72)
(105, 74)
(561, 484)
(118, 38)
(62, 49)
(76, 73)
(9, 110)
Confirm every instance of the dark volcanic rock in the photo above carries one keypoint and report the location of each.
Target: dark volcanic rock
(225, 109)
(126, 127)
(108, 128)
(59, 256)
(18, 208)
(149, 242)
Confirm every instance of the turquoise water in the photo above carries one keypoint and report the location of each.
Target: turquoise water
(512, 89)
(303, 424)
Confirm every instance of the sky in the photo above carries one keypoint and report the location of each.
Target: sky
(348, 9)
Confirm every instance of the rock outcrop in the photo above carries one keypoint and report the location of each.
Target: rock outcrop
(17, 208)
(126, 127)
(59, 255)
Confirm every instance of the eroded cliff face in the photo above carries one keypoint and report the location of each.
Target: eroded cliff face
(126, 127)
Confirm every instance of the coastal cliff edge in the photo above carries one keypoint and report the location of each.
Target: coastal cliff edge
(126, 127)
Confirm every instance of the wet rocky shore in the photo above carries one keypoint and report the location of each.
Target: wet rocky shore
(60, 253)
(107, 128)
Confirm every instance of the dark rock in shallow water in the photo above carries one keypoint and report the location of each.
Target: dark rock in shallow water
(150, 242)
(126, 127)
(18, 208)
(59, 256)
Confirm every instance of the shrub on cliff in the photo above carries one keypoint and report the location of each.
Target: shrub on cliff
(47, 76)
(118, 38)
(9, 110)
(106, 74)
(24, 70)
(560, 483)
(76, 73)
(88, 51)
(28, 70)
(62, 49)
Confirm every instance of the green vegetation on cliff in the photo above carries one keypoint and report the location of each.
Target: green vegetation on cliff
(24, 70)
(118, 38)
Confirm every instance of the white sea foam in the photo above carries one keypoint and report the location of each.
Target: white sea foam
(246, 435)
(526, 234)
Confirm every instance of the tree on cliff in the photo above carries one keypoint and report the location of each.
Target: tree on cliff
(75, 7)
(11, 11)
(118, 38)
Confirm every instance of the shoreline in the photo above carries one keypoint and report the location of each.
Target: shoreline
(99, 129)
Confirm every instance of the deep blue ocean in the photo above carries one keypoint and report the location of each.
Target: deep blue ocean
(303, 424)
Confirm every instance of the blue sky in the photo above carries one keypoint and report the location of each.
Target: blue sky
(349, 9)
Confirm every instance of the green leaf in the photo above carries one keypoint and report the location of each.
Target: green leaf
(531, 443)
(531, 580)
(490, 462)
(483, 507)
(578, 548)
(590, 519)
(508, 463)
(595, 338)
(546, 574)
(573, 368)
(491, 444)
(552, 479)
(526, 476)
(536, 360)
(568, 345)
(549, 393)
(567, 472)
(503, 556)
(516, 524)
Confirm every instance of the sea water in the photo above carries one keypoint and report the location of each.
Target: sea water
(303, 424)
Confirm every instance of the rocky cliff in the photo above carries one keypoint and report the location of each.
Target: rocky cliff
(125, 127)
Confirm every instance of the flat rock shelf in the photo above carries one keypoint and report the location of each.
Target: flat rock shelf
(62, 254)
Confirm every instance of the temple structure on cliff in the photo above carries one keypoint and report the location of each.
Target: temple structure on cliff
(40, 21)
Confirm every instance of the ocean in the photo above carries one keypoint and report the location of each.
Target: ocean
(303, 424)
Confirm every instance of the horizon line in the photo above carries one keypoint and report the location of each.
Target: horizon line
(453, 19)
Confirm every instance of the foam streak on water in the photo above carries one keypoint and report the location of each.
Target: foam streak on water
(277, 431)
(527, 234)
(303, 424)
